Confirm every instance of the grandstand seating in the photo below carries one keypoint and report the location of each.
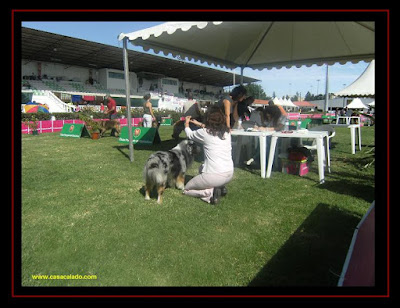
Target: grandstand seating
(77, 87)
(65, 86)
(53, 85)
(43, 92)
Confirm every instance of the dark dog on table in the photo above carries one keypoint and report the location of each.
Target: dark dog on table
(110, 125)
(179, 126)
(168, 168)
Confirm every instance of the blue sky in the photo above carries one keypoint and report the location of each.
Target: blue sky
(281, 81)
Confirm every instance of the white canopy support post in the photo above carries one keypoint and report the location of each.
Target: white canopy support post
(241, 74)
(128, 97)
(327, 90)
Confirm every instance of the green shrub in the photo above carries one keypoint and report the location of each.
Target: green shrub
(135, 113)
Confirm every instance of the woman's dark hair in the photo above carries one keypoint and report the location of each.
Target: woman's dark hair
(215, 122)
(274, 112)
(242, 106)
(248, 100)
(238, 92)
(147, 97)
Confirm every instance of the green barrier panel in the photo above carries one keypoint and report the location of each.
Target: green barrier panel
(305, 122)
(74, 131)
(166, 121)
(141, 135)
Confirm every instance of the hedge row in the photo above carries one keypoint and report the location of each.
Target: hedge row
(97, 115)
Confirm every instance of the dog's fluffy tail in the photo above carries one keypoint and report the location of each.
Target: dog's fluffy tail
(153, 173)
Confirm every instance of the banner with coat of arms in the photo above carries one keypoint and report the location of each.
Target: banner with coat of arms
(74, 130)
(141, 135)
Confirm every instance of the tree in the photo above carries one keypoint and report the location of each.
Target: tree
(318, 97)
(296, 97)
(256, 91)
(309, 96)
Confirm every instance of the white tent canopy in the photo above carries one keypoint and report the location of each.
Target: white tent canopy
(276, 101)
(364, 85)
(261, 45)
(289, 103)
(284, 102)
(257, 45)
(357, 104)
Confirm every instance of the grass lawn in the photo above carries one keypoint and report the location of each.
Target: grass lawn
(83, 212)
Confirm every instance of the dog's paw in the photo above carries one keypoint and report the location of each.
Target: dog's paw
(147, 198)
(180, 186)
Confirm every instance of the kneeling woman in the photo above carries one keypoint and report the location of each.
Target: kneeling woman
(217, 169)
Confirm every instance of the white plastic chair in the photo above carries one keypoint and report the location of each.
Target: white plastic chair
(329, 129)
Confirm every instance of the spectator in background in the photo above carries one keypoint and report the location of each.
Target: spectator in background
(111, 111)
(336, 112)
(111, 108)
(148, 116)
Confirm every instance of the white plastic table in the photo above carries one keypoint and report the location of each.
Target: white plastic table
(262, 135)
(317, 135)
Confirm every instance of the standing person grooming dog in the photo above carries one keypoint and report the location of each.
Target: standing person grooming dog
(228, 104)
(148, 116)
(217, 169)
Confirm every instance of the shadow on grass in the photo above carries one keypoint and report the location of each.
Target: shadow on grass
(162, 146)
(345, 187)
(122, 149)
(314, 254)
(359, 162)
(351, 184)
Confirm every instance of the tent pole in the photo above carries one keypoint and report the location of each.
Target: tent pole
(326, 90)
(241, 75)
(128, 98)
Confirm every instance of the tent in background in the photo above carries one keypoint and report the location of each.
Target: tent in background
(363, 86)
(289, 103)
(357, 104)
